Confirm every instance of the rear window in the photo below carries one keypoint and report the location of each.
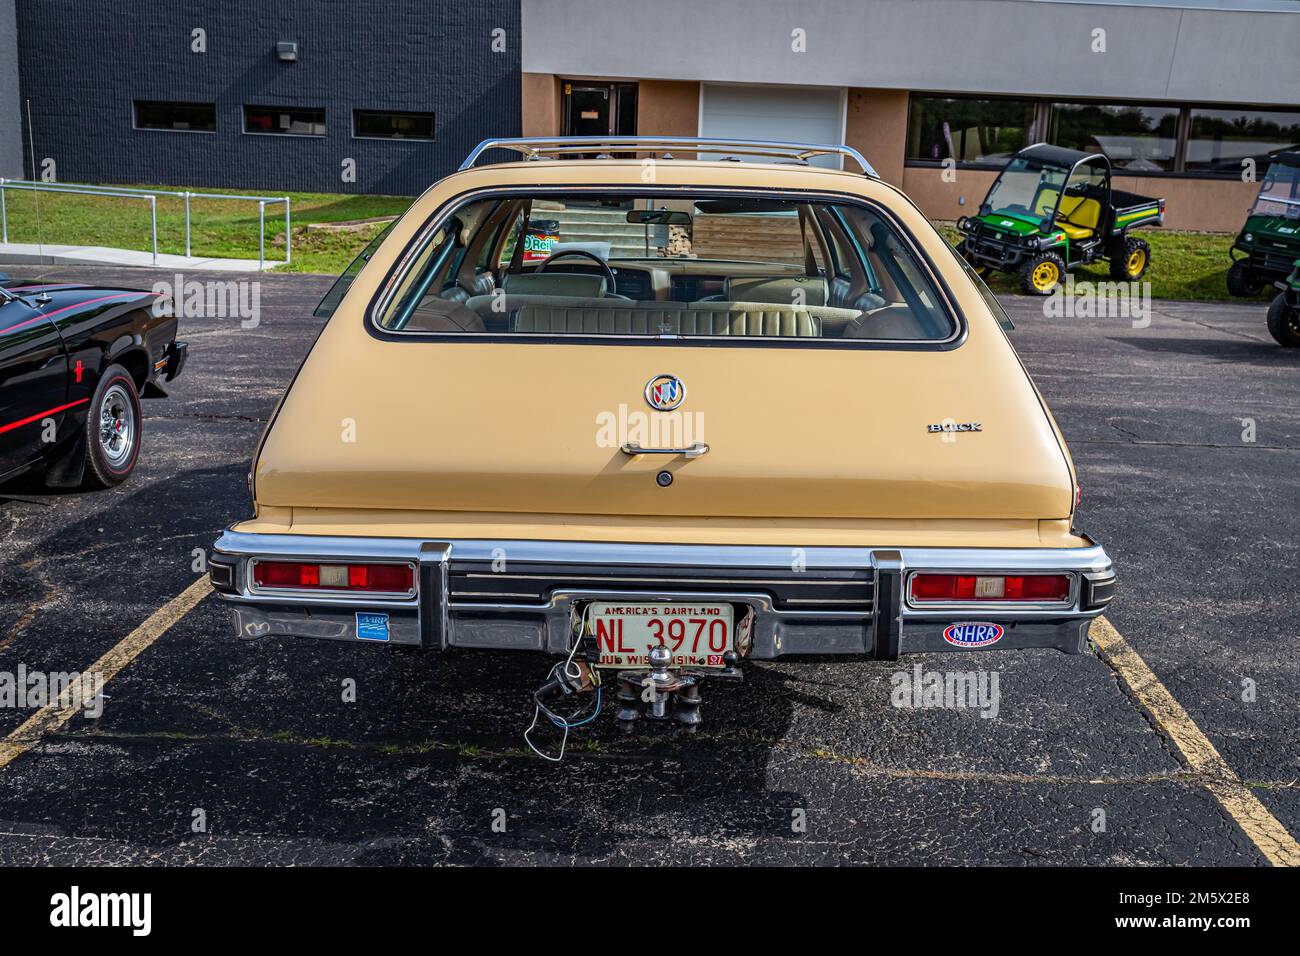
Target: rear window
(632, 266)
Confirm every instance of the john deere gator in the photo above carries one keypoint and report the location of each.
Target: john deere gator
(1052, 209)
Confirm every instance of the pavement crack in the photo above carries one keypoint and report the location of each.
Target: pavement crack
(594, 749)
(206, 417)
(1180, 444)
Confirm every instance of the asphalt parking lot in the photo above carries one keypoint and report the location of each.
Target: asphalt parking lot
(1201, 524)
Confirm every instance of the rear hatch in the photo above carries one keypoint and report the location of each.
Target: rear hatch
(792, 431)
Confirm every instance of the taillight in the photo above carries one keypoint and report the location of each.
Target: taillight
(952, 588)
(296, 575)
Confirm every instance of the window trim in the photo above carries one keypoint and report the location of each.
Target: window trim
(410, 254)
(135, 117)
(245, 107)
(433, 124)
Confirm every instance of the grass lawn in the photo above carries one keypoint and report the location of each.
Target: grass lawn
(219, 228)
(1184, 265)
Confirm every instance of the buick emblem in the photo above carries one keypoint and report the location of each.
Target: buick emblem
(665, 392)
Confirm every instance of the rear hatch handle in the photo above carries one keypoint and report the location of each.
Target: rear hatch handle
(689, 451)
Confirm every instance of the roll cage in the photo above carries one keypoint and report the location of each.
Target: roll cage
(1068, 161)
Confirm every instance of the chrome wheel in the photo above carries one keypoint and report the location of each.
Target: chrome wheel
(117, 428)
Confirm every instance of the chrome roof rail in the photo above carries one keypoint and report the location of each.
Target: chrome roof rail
(549, 147)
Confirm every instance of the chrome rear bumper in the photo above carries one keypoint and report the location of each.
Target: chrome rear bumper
(524, 595)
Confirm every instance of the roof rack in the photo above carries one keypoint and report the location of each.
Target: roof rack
(549, 148)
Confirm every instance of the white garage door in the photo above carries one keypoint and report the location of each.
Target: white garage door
(789, 113)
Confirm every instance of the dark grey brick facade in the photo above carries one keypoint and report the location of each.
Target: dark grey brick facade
(11, 134)
(82, 63)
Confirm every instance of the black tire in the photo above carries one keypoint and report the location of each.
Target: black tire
(1037, 277)
(1284, 323)
(1130, 259)
(112, 449)
(1243, 281)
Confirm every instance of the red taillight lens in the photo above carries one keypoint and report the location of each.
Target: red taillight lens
(942, 587)
(1038, 587)
(970, 587)
(389, 578)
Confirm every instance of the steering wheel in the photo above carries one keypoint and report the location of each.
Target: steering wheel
(609, 273)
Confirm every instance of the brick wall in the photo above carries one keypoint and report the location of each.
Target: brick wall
(11, 135)
(83, 64)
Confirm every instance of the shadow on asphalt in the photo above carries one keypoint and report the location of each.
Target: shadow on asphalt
(1224, 350)
(126, 534)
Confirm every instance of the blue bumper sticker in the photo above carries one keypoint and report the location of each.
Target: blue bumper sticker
(372, 627)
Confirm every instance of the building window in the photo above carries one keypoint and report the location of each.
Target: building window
(970, 130)
(1219, 140)
(186, 117)
(284, 120)
(1140, 139)
(389, 124)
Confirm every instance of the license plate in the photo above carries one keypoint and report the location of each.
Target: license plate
(697, 634)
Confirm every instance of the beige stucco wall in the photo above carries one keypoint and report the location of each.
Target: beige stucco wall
(876, 126)
(668, 108)
(1210, 205)
(540, 105)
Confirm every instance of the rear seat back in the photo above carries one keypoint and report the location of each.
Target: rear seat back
(656, 318)
(560, 314)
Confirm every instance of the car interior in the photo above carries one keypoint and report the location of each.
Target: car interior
(654, 266)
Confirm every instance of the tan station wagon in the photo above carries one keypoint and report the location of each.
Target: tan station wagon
(660, 412)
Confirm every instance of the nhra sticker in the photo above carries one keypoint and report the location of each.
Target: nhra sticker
(372, 627)
(972, 635)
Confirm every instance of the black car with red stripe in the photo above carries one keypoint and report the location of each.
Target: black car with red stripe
(75, 361)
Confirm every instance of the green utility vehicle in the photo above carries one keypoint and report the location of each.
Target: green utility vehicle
(1284, 313)
(1052, 209)
(1270, 240)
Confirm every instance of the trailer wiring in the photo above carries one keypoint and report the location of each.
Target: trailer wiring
(566, 677)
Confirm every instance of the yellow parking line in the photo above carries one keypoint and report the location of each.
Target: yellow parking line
(57, 713)
(1273, 839)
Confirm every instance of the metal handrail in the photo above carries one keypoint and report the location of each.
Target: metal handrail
(129, 192)
(546, 147)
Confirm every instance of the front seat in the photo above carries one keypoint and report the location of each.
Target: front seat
(1078, 216)
(777, 290)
